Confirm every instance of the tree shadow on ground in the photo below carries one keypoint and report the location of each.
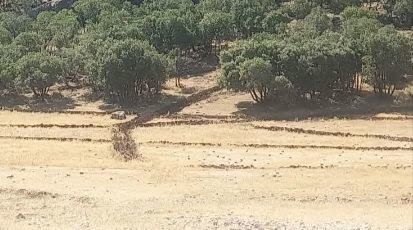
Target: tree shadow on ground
(92, 96)
(55, 102)
(369, 107)
(142, 106)
(194, 66)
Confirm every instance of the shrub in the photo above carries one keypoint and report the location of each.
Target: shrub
(283, 91)
(387, 59)
(38, 71)
(129, 69)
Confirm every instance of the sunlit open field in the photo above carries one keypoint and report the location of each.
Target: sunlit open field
(320, 173)
(206, 114)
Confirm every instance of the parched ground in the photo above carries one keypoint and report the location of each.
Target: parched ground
(213, 165)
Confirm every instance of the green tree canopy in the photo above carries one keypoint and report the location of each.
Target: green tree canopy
(28, 42)
(387, 59)
(130, 69)
(15, 23)
(5, 36)
(9, 54)
(38, 71)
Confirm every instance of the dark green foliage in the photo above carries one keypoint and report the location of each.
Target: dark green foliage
(216, 5)
(283, 91)
(256, 77)
(336, 6)
(20, 6)
(315, 66)
(168, 31)
(387, 59)
(317, 21)
(216, 27)
(15, 23)
(276, 22)
(129, 69)
(403, 6)
(321, 65)
(38, 71)
(403, 13)
(5, 36)
(305, 48)
(300, 8)
(357, 13)
(28, 42)
(9, 54)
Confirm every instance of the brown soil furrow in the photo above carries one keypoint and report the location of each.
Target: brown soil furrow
(316, 118)
(204, 116)
(307, 167)
(97, 113)
(363, 113)
(191, 122)
(56, 139)
(388, 118)
(384, 148)
(29, 194)
(53, 126)
(321, 166)
(274, 128)
(326, 133)
(224, 166)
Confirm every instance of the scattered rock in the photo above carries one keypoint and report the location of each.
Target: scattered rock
(118, 115)
(20, 216)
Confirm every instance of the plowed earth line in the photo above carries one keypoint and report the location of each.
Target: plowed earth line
(54, 126)
(326, 133)
(384, 148)
(274, 128)
(63, 139)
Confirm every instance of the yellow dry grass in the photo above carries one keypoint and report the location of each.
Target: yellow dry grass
(179, 185)
(7, 117)
(192, 84)
(397, 128)
(220, 103)
(54, 132)
(273, 158)
(304, 184)
(246, 134)
(61, 154)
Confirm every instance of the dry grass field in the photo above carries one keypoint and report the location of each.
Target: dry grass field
(213, 165)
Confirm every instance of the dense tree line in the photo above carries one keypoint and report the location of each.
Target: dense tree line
(315, 60)
(129, 48)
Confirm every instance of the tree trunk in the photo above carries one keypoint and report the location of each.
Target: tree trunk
(394, 89)
(178, 82)
(254, 95)
(35, 91)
